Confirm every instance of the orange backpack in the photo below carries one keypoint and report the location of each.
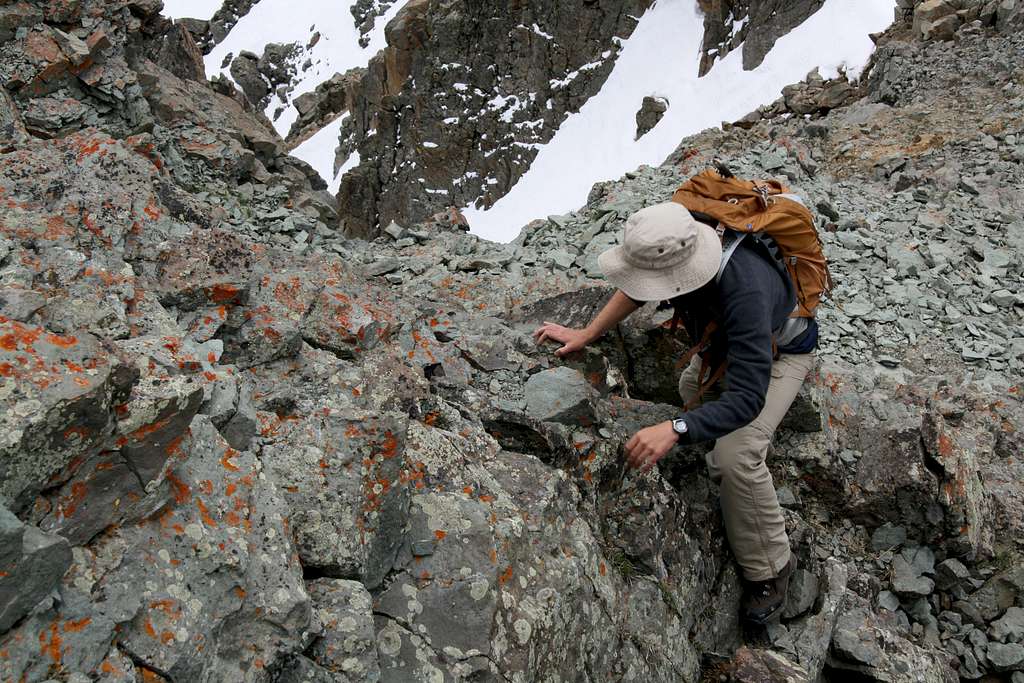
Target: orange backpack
(716, 196)
(750, 206)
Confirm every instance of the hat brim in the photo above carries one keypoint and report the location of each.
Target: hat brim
(646, 284)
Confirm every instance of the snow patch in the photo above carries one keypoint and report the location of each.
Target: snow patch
(318, 151)
(190, 9)
(542, 34)
(662, 56)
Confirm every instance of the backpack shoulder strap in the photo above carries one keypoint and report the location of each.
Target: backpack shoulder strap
(730, 241)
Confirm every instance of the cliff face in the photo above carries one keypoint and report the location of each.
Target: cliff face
(236, 445)
(754, 25)
(454, 106)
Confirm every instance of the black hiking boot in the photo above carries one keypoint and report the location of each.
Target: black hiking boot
(763, 601)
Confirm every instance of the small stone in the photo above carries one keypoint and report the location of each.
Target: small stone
(383, 266)
(803, 591)
(888, 600)
(561, 259)
(786, 497)
(856, 309)
(1006, 656)
(826, 209)
(907, 580)
(423, 548)
(1009, 627)
(1003, 298)
(33, 563)
(772, 160)
(951, 573)
(395, 231)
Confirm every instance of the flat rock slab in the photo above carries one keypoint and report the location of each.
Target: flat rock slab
(560, 395)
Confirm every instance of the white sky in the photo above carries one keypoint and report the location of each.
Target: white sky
(195, 9)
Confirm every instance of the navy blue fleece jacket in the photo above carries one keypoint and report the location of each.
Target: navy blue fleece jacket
(751, 300)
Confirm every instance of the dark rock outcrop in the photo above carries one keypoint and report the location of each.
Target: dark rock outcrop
(754, 25)
(515, 74)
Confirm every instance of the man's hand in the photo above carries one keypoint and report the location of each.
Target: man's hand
(650, 445)
(572, 339)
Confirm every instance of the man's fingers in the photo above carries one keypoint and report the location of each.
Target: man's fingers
(637, 456)
(562, 351)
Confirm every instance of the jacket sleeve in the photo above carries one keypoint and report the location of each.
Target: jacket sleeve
(748, 332)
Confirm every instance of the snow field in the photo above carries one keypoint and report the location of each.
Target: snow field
(661, 58)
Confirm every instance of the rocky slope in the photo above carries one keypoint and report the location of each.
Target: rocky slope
(236, 445)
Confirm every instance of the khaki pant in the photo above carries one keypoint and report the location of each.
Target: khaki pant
(750, 508)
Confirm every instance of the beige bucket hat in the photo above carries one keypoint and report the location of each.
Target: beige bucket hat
(665, 253)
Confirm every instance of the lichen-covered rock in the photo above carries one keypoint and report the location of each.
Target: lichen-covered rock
(58, 393)
(222, 595)
(32, 565)
(345, 323)
(346, 478)
(268, 327)
(347, 646)
(71, 635)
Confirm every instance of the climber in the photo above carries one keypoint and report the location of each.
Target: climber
(668, 255)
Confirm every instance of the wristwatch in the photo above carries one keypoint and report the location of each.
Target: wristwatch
(679, 426)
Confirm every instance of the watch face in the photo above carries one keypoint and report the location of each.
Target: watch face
(679, 426)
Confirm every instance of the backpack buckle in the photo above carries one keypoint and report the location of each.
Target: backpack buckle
(762, 196)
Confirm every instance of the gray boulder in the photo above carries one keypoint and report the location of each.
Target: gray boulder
(560, 395)
(33, 563)
(864, 645)
(54, 411)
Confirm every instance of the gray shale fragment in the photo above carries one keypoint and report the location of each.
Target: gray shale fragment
(31, 566)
